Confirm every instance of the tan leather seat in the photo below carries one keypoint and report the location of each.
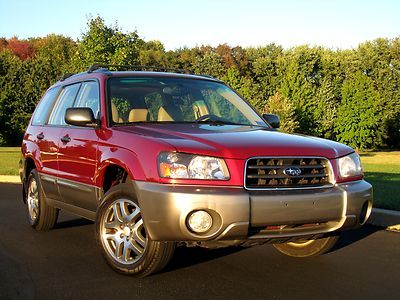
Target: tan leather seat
(115, 114)
(163, 115)
(138, 115)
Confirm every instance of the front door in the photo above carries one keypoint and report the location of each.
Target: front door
(77, 155)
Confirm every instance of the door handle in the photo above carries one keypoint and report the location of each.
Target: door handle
(40, 136)
(66, 139)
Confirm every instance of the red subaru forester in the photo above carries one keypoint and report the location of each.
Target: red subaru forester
(159, 159)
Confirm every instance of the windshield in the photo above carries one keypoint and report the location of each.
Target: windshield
(177, 100)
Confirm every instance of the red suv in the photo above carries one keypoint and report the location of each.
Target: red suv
(159, 159)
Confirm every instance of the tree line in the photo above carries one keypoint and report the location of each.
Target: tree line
(351, 96)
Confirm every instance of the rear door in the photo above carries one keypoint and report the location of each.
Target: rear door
(77, 155)
(46, 138)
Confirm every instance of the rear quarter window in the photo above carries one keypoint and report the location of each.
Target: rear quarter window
(44, 107)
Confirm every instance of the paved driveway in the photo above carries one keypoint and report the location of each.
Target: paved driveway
(65, 263)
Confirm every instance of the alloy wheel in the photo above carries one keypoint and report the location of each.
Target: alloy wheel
(122, 232)
(33, 200)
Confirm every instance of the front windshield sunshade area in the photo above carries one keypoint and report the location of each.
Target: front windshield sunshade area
(176, 100)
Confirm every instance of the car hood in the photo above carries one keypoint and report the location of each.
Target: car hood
(238, 142)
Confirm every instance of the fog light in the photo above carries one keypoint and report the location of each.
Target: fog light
(199, 221)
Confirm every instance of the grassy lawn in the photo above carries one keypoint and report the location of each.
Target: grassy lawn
(382, 170)
(9, 160)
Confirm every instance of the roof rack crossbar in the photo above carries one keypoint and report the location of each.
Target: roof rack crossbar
(98, 66)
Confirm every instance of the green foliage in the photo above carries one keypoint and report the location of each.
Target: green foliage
(346, 95)
(359, 113)
(210, 64)
(325, 110)
(302, 68)
(23, 82)
(106, 44)
(281, 106)
(123, 107)
(12, 114)
(265, 70)
(152, 54)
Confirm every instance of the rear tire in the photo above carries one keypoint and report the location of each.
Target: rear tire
(41, 215)
(122, 237)
(308, 248)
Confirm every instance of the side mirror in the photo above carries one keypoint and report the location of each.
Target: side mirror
(272, 120)
(80, 116)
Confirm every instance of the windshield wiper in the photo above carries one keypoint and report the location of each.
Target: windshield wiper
(220, 122)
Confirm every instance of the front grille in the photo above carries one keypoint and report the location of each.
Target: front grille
(286, 172)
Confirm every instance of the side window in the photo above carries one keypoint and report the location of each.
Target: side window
(43, 110)
(65, 100)
(89, 97)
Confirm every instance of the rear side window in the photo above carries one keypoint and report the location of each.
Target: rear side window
(43, 110)
(65, 100)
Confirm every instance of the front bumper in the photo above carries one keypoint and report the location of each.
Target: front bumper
(239, 214)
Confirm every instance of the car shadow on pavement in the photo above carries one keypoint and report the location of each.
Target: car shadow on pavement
(190, 256)
(73, 223)
(352, 236)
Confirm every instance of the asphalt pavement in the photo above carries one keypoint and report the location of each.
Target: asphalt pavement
(64, 263)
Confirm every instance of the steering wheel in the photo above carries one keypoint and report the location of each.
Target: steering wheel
(210, 117)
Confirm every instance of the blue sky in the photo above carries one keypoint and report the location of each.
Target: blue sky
(178, 23)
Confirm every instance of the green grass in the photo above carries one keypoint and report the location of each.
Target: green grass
(382, 170)
(9, 160)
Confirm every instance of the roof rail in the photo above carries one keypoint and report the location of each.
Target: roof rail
(97, 66)
(65, 76)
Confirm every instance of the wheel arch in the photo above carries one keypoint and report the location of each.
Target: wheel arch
(118, 158)
(27, 165)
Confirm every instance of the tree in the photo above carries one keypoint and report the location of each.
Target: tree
(264, 71)
(106, 44)
(347, 95)
(21, 48)
(244, 86)
(301, 69)
(209, 64)
(325, 111)
(359, 114)
(152, 53)
(10, 100)
(281, 106)
(3, 44)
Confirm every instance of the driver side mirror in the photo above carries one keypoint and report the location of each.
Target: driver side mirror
(80, 116)
(272, 120)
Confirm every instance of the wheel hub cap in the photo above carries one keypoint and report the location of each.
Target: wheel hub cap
(127, 231)
(122, 232)
(33, 200)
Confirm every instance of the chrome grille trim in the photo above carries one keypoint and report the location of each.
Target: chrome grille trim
(322, 173)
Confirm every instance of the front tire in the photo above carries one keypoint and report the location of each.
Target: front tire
(122, 237)
(307, 248)
(41, 215)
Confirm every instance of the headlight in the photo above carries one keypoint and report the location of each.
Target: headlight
(350, 166)
(180, 165)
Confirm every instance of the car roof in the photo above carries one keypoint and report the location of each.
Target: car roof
(102, 72)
